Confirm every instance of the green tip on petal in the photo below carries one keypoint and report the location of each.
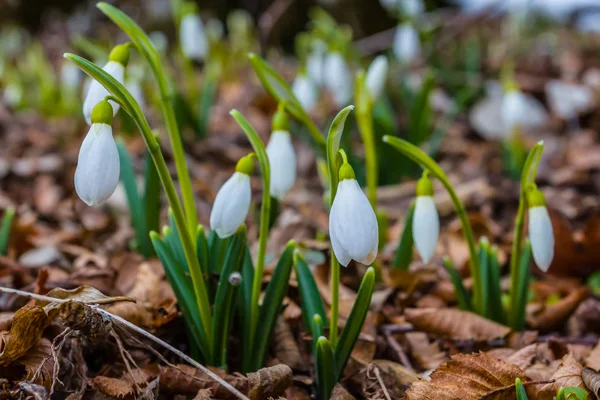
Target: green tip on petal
(346, 172)
(120, 54)
(102, 113)
(424, 186)
(535, 198)
(246, 165)
(280, 121)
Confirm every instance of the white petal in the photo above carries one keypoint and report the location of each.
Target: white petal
(519, 109)
(282, 160)
(486, 118)
(98, 168)
(96, 92)
(353, 224)
(406, 45)
(425, 227)
(567, 99)
(192, 38)
(231, 205)
(306, 92)
(376, 76)
(315, 64)
(338, 79)
(541, 237)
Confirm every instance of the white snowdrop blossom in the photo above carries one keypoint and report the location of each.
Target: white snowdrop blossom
(406, 45)
(282, 160)
(376, 76)
(410, 8)
(233, 201)
(541, 235)
(338, 78)
(568, 99)
(118, 59)
(352, 222)
(98, 168)
(133, 83)
(70, 75)
(426, 221)
(192, 38)
(306, 91)
(315, 64)
(521, 111)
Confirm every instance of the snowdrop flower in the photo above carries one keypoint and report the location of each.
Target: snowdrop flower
(233, 200)
(194, 44)
(406, 45)
(305, 90)
(70, 75)
(521, 111)
(410, 8)
(352, 222)
(338, 79)
(282, 158)
(117, 61)
(541, 235)
(315, 64)
(98, 168)
(376, 76)
(426, 221)
(568, 99)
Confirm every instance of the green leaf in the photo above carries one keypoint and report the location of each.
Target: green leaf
(245, 306)
(355, 322)
(207, 99)
(481, 301)
(5, 227)
(496, 309)
(224, 298)
(462, 296)
(572, 393)
(202, 249)
(521, 393)
(334, 137)
(272, 303)
(174, 242)
(151, 196)
(325, 369)
(517, 312)
(593, 283)
(312, 303)
(419, 127)
(217, 248)
(404, 252)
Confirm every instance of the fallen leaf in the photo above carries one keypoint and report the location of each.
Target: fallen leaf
(340, 393)
(82, 294)
(555, 314)
(113, 387)
(393, 376)
(591, 378)
(203, 394)
(269, 382)
(567, 374)
(593, 359)
(39, 361)
(27, 327)
(455, 324)
(469, 377)
(285, 346)
(427, 353)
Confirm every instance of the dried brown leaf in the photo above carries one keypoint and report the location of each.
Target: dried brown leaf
(113, 387)
(426, 353)
(555, 314)
(82, 294)
(286, 346)
(39, 364)
(340, 393)
(26, 330)
(393, 376)
(591, 379)
(269, 382)
(469, 377)
(203, 394)
(455, 324)
(593, 359)
(567, 374)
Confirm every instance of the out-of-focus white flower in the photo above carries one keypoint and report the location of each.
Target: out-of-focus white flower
(306, 91)
(410, 8)
(159, 41)
(541, 235)
(192, 37)
(406, 45)
(338, 79)
(315, 64)
(133, 83)
(352, 222)
(233, 200)
(70, 75)
(568, 100)
(13, 94)
(426, 221)
(282, 160)
(117, 61)
(376, 76)
(521, 111)
(98, 168)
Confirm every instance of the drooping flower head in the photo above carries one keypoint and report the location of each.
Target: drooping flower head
(541, 235)
(282, 157)
(98, 168)
(233, 200)
(192, 37)
(407, 45)
(520, 111)
(117, 61)
(376, 76)
(305, 90)
(426, 221)
(352, 222)
(338, 79)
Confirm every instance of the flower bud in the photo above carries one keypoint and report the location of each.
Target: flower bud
(352, 222)
(376, 76)
(406, 45)
(426, 221)
(541, 235)
(520, 110)
(282, 157)
(306, 91)
(233, 200)
(98, 168)
(194, 44)
(338, 79)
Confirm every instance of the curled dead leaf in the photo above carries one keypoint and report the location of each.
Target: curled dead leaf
(82, 294)
(455, 324)
(27, 327)
(426, 353)
(555, 314)
(593, 359)
(591, 378)
(569, 373)
(389, 376)
(269, 382)
(113, 387)
(286, 347)
(340, 393)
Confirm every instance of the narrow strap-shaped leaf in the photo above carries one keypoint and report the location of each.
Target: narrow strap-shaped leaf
(334, 138)
(421, 113)
(224, 298)
(462, 296)
(5, 227)
(217, 249)
(317, 327)
(202, 248)
(274, 212)
(174, 241)
(355, 322)
(480, 285)
(517, 312)
(207, 98)
(312, 303)
(496, 309)
(325, 369)
(272, 302)
(404, 252)
(245, 299)
(151, 195)
(521, 393)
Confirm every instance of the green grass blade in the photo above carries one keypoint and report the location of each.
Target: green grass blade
(496, 308)
(481, 297)
(312, 303)
(272, 303)
(421, 113)
(462, 296)
(174, 241)
(521, 393)
(325, 369)
(404, 252)
(217, 249)
(202, 249)
(152, 188)
(245, 307)
(207, 99)
(5, 227)
(355, 322)
(224, 298)
(517, 312)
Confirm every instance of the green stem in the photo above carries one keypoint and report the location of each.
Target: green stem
(365, 126)
(124, 98)
(146, 49)
(420, 157)
(528, 176)
(265, 213)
